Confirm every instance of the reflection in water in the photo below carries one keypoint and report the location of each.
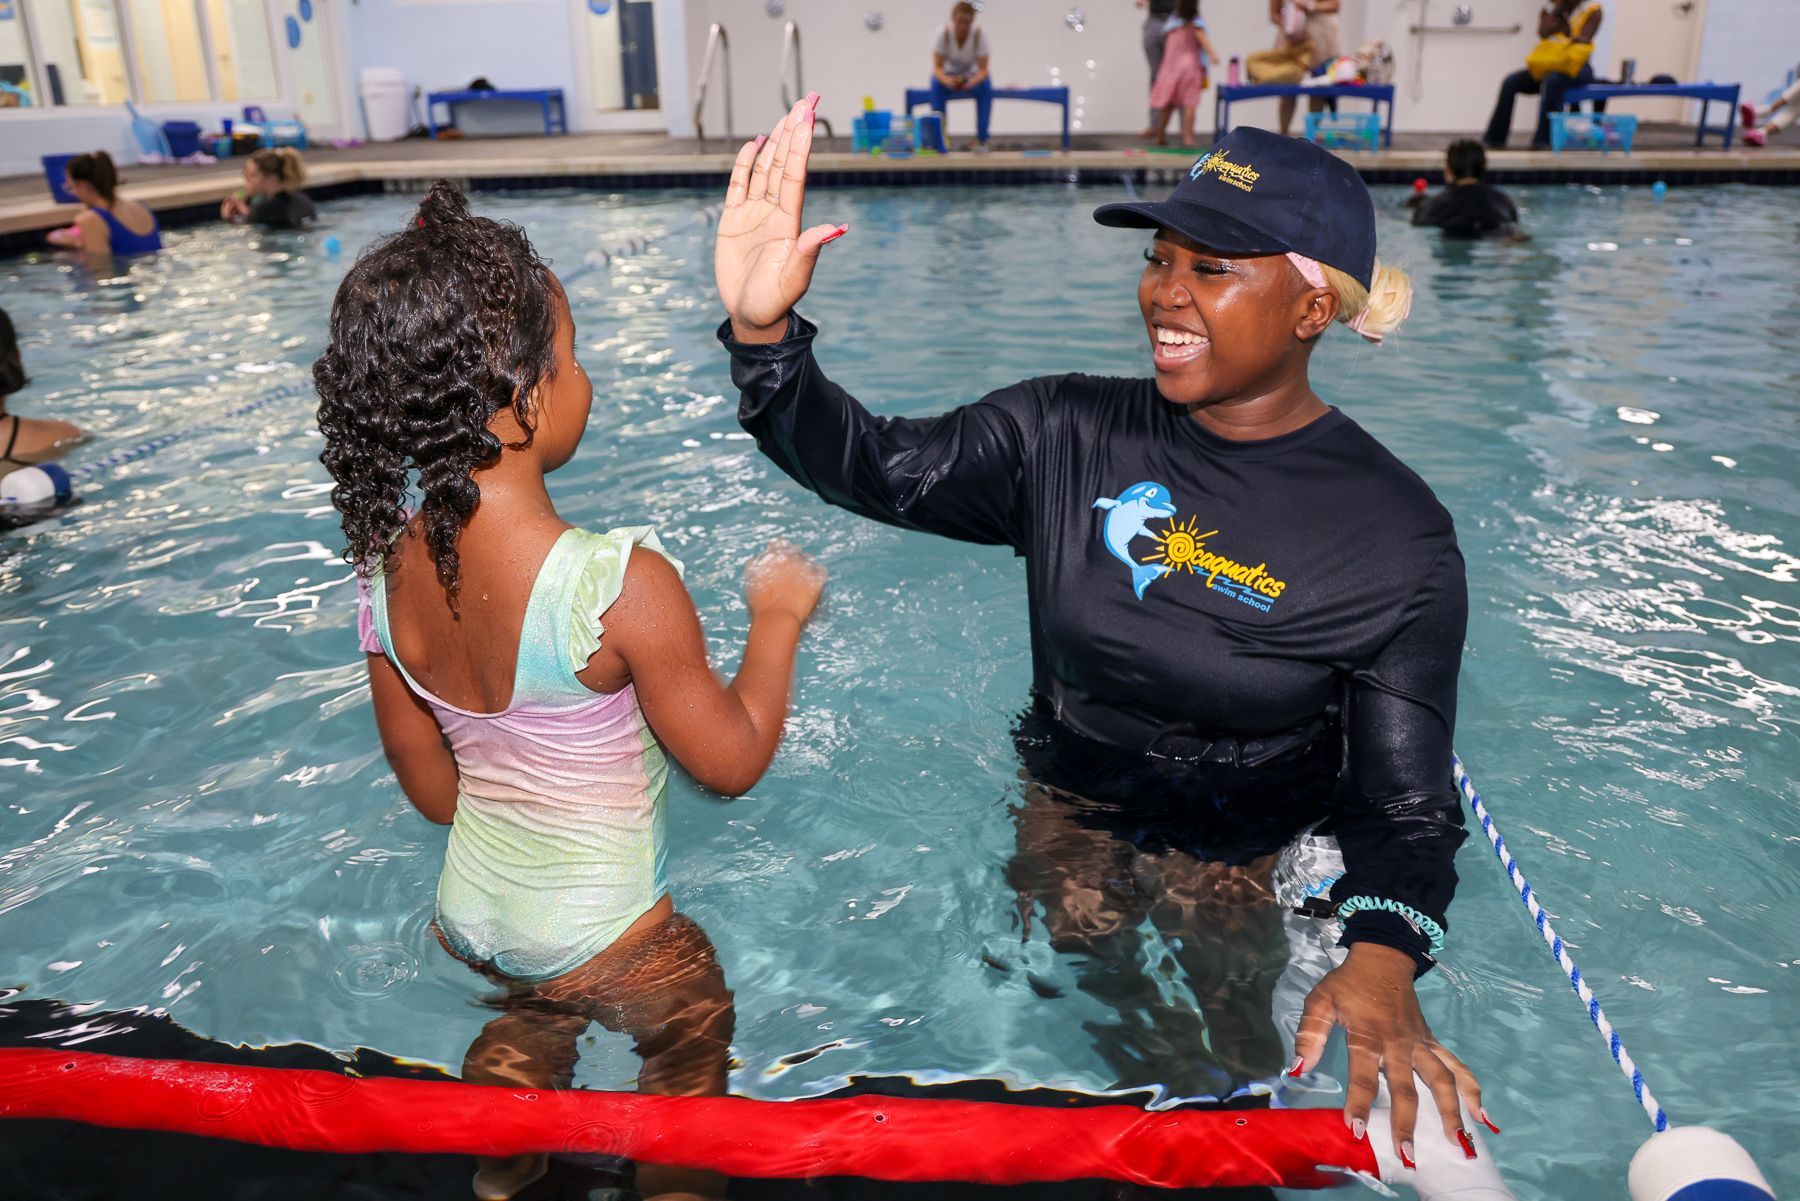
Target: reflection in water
(1191, 1011)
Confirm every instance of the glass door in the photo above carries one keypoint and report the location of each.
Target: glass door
(620, 64)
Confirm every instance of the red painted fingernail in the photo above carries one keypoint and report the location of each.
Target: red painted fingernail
(1406, 1156)
(834, 235)
(1487, 1121)
(760, 139)
(1299, 1062)
(1468, 1144)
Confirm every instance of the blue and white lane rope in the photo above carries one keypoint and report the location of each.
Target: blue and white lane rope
(144, 450)
(1595, 1014)
(594, 260)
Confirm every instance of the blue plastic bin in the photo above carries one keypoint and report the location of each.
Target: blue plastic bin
(184, 138)
(870, 129)
(928, 133)
(1344, 131)
(56, 173)
(284, 133)
(1592, 131)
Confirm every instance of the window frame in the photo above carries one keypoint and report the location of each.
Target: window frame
(121, 13)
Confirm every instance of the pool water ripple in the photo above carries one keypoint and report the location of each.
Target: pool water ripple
(197, 817)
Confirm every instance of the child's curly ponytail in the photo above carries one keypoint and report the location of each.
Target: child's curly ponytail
(433, 331)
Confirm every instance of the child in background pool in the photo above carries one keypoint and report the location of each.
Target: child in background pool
(527, 675)
(1467, 206)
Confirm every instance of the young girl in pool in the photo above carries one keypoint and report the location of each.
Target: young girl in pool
(528, 676)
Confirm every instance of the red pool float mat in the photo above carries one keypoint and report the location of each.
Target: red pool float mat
(877, 1138)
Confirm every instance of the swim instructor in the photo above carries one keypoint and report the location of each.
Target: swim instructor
(1247, 615)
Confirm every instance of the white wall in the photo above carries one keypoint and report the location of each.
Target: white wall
(514, 43)
(1752, 42)
(442, 44)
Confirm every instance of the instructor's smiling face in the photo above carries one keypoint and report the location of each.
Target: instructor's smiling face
(1221, 326)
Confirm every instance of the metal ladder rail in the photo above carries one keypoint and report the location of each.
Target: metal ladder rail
(718, 50)
(790, 54)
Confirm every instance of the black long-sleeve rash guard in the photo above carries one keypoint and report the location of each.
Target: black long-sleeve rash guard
(1184, 587)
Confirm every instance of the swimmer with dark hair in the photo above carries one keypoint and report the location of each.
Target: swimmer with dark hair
(26, 441)
(32, 486)
(531, 679)
(113, 224)
(1468, 206)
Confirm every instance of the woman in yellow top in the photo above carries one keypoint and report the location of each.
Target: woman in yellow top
(1560, 62)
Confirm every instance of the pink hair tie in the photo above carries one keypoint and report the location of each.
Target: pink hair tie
(1309, 270)
(1363, 316)
(1314, 274)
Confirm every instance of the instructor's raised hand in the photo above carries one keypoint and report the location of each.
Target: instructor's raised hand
(763, 260)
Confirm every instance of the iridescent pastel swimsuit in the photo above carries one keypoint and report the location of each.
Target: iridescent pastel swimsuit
(557, 845)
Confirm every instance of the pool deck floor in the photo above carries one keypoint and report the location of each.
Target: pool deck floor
(624, 160)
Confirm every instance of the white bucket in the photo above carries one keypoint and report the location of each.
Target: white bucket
(384, 100)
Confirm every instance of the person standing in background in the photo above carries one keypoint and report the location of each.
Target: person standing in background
(1155, 18)
(959, 66)
(1183, 75)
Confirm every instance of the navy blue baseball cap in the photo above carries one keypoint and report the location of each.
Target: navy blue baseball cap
(1257, 192)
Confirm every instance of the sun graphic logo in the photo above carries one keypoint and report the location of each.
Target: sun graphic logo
(1180, 546)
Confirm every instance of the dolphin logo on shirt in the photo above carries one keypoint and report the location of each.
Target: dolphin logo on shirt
(1125, 518)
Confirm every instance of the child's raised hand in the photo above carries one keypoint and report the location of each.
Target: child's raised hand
(783, 579)
(762, 260)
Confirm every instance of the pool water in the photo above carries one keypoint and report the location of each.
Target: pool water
(198, 818)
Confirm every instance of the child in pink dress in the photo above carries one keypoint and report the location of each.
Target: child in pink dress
(1182, 77)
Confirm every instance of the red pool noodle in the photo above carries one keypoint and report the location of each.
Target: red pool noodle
(878, 1138)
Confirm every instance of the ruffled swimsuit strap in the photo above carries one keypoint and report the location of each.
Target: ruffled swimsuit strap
(596, 575)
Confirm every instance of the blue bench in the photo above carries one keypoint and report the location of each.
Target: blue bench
(1377, 94)
(1050, 95)
(546, 98)
(1705, 93)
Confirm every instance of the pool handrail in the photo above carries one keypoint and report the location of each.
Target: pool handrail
(790, 53)
(718, 49)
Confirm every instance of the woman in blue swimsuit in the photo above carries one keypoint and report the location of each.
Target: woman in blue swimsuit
(112, 224)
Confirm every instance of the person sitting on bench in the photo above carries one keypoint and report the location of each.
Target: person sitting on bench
(1762, 124)
(1559, 62)
(1306, 35)
(959, 67)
